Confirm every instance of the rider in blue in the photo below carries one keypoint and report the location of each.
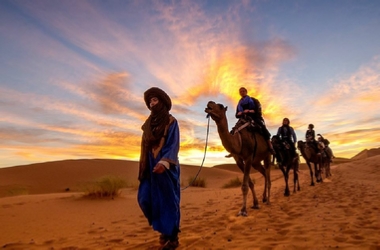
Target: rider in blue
(247, 107)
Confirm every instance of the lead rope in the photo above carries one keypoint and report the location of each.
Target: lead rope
(204, 155)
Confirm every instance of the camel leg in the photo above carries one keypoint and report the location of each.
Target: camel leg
(268, 183)
(296, 181)
(287, 191)
(286, 178)
(295, 175)
(255, 200)
(316, 171)
(262, 171)
(240, 164)
(245, 187)
(296, 166)
(328, 169)
(311, 174)
(321, 166)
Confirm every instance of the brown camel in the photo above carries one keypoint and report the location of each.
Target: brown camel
(248, 148)
(286, 161)
(311, 156)
(325, 159)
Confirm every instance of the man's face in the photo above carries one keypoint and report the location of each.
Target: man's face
(285, 122)
(242, 92)
(153, 101)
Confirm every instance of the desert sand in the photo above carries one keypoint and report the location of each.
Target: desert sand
(42, 207)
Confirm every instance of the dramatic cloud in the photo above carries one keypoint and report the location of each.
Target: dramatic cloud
(72, 75)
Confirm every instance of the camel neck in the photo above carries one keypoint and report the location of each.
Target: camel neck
(229, 142)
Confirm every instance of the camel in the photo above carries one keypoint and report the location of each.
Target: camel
(326, 156)
(286, 163)
(248, 149)
(311, 156)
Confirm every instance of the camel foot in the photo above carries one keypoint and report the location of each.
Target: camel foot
(243, 213)
(312, 184)
(299, 189)
(265, 200)
(287, 194)
(255, 207)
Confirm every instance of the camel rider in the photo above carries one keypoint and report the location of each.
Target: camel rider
(310, 137)
(327, 149)
(247, 107)
(286, 134)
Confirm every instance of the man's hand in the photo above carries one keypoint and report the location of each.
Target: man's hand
(159, 168)
(248, 111)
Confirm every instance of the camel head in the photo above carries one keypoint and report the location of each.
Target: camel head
(276, 142)
(216, 110)
(300, 145)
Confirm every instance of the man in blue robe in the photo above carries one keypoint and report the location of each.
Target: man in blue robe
(159, 170)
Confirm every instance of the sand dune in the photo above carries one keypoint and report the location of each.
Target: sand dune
(59, 176)
(366, 153)
(342, 212)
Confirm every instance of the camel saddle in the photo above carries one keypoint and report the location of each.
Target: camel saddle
(246, 122)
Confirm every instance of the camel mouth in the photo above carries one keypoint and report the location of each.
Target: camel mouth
(208, 108)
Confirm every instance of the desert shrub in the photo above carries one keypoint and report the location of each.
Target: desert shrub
(198, 182)
(236, 182)
(17, 190)
(106, 186)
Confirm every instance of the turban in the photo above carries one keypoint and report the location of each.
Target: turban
(160, 94)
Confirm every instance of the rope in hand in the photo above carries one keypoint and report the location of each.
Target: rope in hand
(204, 155)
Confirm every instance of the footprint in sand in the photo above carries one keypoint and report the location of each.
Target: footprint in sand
(115, 240)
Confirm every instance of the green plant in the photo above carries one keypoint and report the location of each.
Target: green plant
(18, 190)
(198, 182)
(106, 186)
(236, 182)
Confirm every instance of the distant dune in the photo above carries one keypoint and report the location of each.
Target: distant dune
(60, 176)
(71, 175)
(366, 153)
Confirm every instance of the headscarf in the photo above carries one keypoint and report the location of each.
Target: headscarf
(286, 125)
(154, 127)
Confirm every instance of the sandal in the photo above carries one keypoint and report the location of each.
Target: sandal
(163, 239)
(170, 245)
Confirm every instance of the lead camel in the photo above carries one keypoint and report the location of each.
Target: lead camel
(248, 148)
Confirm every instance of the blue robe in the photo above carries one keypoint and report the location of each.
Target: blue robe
(159, 195)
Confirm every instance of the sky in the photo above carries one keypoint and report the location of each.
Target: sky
(73, 73)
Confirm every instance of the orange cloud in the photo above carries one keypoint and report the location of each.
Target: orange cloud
(253, 67)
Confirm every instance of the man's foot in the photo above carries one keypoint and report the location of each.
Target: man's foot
(170, 245)
(229, 156)
(163, 239)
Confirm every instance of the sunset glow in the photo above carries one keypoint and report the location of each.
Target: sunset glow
(73, 74)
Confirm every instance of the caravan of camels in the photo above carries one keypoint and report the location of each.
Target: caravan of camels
(246, 144)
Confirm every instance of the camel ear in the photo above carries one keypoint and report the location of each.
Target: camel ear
(226, 108)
